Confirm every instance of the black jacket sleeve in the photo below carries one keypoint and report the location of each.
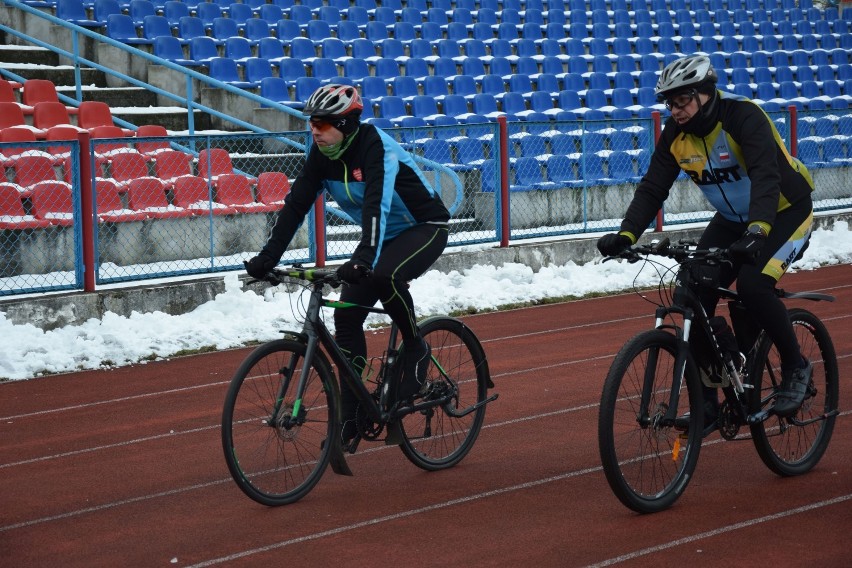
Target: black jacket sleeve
(654, 187)
(298, 202)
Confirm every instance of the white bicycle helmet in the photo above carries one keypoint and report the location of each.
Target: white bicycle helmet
(691, 71)
(333, 101)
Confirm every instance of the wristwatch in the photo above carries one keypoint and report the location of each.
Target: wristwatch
(757, 230)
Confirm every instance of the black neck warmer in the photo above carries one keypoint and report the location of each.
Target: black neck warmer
(704, 121)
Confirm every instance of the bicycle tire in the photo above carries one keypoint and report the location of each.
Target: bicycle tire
(786, 448)
(278, 465)
(644, 459)
(433, 439)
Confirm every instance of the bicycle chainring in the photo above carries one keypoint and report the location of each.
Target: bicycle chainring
(729, 421)
(368, 429)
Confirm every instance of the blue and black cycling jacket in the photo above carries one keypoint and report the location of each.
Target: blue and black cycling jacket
(375, 181)
(742, 167)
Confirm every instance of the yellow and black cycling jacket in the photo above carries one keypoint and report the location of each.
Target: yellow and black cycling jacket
(741, 166)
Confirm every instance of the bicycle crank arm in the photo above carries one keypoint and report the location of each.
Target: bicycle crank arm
(763, 415)
(455, 414)
(820, 418)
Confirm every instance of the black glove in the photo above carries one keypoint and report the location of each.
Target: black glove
(259, 266)
(353, 271)
(613, 244)
(748, 247)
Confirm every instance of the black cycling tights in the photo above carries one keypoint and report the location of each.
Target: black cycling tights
(755, 288)
(401, 260)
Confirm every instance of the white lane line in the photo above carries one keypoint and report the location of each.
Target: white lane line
(395, 516)
(721, 530)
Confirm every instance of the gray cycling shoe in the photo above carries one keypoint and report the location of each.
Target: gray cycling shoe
(794, 388)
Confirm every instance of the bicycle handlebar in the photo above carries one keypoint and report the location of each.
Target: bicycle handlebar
(681, 252)
(277, 276)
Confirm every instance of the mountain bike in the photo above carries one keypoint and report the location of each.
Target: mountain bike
(281, 423)
(651, 421)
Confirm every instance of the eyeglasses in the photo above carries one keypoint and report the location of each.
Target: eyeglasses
(319, 124)
(680, 101)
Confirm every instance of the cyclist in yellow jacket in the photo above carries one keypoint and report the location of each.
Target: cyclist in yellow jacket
(732, 151)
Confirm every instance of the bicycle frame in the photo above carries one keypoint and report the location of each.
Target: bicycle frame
(315, 334)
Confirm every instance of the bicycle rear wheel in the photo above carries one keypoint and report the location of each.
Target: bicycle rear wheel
(438, 438)
(793, 446)
(647, 461)
(274, 445)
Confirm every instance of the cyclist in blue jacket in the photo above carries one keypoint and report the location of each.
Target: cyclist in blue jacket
(404, 229)
(732, 151)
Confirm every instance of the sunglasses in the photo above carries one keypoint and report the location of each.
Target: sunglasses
(320, 125)
(680, 101)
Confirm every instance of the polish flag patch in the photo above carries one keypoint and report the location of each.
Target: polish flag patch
(724, 156)
(356, 173)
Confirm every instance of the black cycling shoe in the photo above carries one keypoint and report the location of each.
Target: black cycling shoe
(711, 419)
(415, 362)
(794, 387)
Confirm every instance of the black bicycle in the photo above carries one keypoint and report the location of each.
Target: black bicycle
(281, 422)
(651, 420)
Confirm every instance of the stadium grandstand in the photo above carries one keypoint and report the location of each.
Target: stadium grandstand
(149, 138)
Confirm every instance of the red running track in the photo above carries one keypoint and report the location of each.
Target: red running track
(124, 468)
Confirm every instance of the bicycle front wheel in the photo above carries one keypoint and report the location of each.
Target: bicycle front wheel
(439, 437)
(793, 446)
(648, 462)
(274, 442)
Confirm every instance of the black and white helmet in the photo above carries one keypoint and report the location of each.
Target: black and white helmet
(333, 101)
(691, 71)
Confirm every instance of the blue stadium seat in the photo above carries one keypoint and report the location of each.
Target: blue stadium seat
(528, 175)
(334, 48)
(324, 69)
(387, 68)
(620, 167)
(203, 49)
(492, 85)
(291, 69)
(275, 89)
(464, 85)
(355, 69)
(438, 150)
(120, 27)
(171, 49)
(225, 69)
(513, 105)
(500, 66)
(257, 69)
(393, 108)
(238, 48)
(138, 9)
(318, 30)
(436, 87)
(240, 13)
(454, 105)
(303, 49)
(374, 88)
(155, 26)
(304, 87)
(174, 11)
(486, 105)
(568, 99)
(404, 87)
(560, 171)
(595, 99)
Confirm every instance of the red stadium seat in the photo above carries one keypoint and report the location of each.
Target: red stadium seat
(193, 193)
(52, 201)
(235, 190)
(148, 195)
(272, 187)
(13, 216)
(172, 164)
